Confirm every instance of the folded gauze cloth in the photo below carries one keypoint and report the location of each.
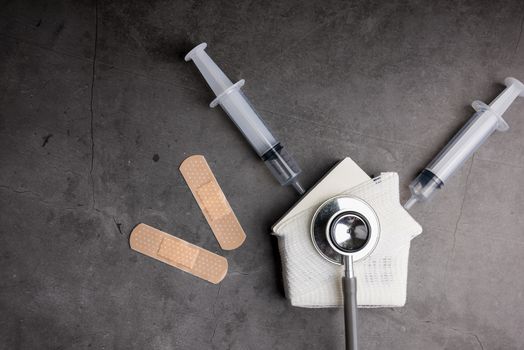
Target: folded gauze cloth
(312, 281)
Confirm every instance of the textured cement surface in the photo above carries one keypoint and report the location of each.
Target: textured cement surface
(98, 109)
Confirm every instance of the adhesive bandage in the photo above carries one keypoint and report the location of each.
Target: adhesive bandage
(178, 253)
(212, 202)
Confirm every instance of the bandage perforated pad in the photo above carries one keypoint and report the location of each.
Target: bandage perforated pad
(212, 202)
(178, 253)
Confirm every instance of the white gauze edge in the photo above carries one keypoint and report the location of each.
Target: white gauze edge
(311, 281)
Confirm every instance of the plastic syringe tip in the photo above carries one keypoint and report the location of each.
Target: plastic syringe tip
(409, 203)
(296, 185)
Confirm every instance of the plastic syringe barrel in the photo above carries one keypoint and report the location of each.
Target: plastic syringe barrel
(474, 133)
(238, 108)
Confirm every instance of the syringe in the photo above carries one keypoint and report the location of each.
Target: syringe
(479, 127)
(237, 106)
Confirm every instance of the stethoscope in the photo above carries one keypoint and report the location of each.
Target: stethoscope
(344, 230)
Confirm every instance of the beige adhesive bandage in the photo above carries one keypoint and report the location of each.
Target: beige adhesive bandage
(178, 253)
(212, 202)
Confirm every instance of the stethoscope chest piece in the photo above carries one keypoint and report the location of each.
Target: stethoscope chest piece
(344, 225)
(344, 230)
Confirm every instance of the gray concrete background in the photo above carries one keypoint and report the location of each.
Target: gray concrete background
(91, 93)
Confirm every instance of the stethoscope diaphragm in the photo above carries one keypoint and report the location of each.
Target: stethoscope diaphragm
(344, 213)
(344, 230)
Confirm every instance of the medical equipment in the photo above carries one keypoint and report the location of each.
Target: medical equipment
(351, 228)
(213, 202)
(178, 253)
(474, 133)
(237, 106)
